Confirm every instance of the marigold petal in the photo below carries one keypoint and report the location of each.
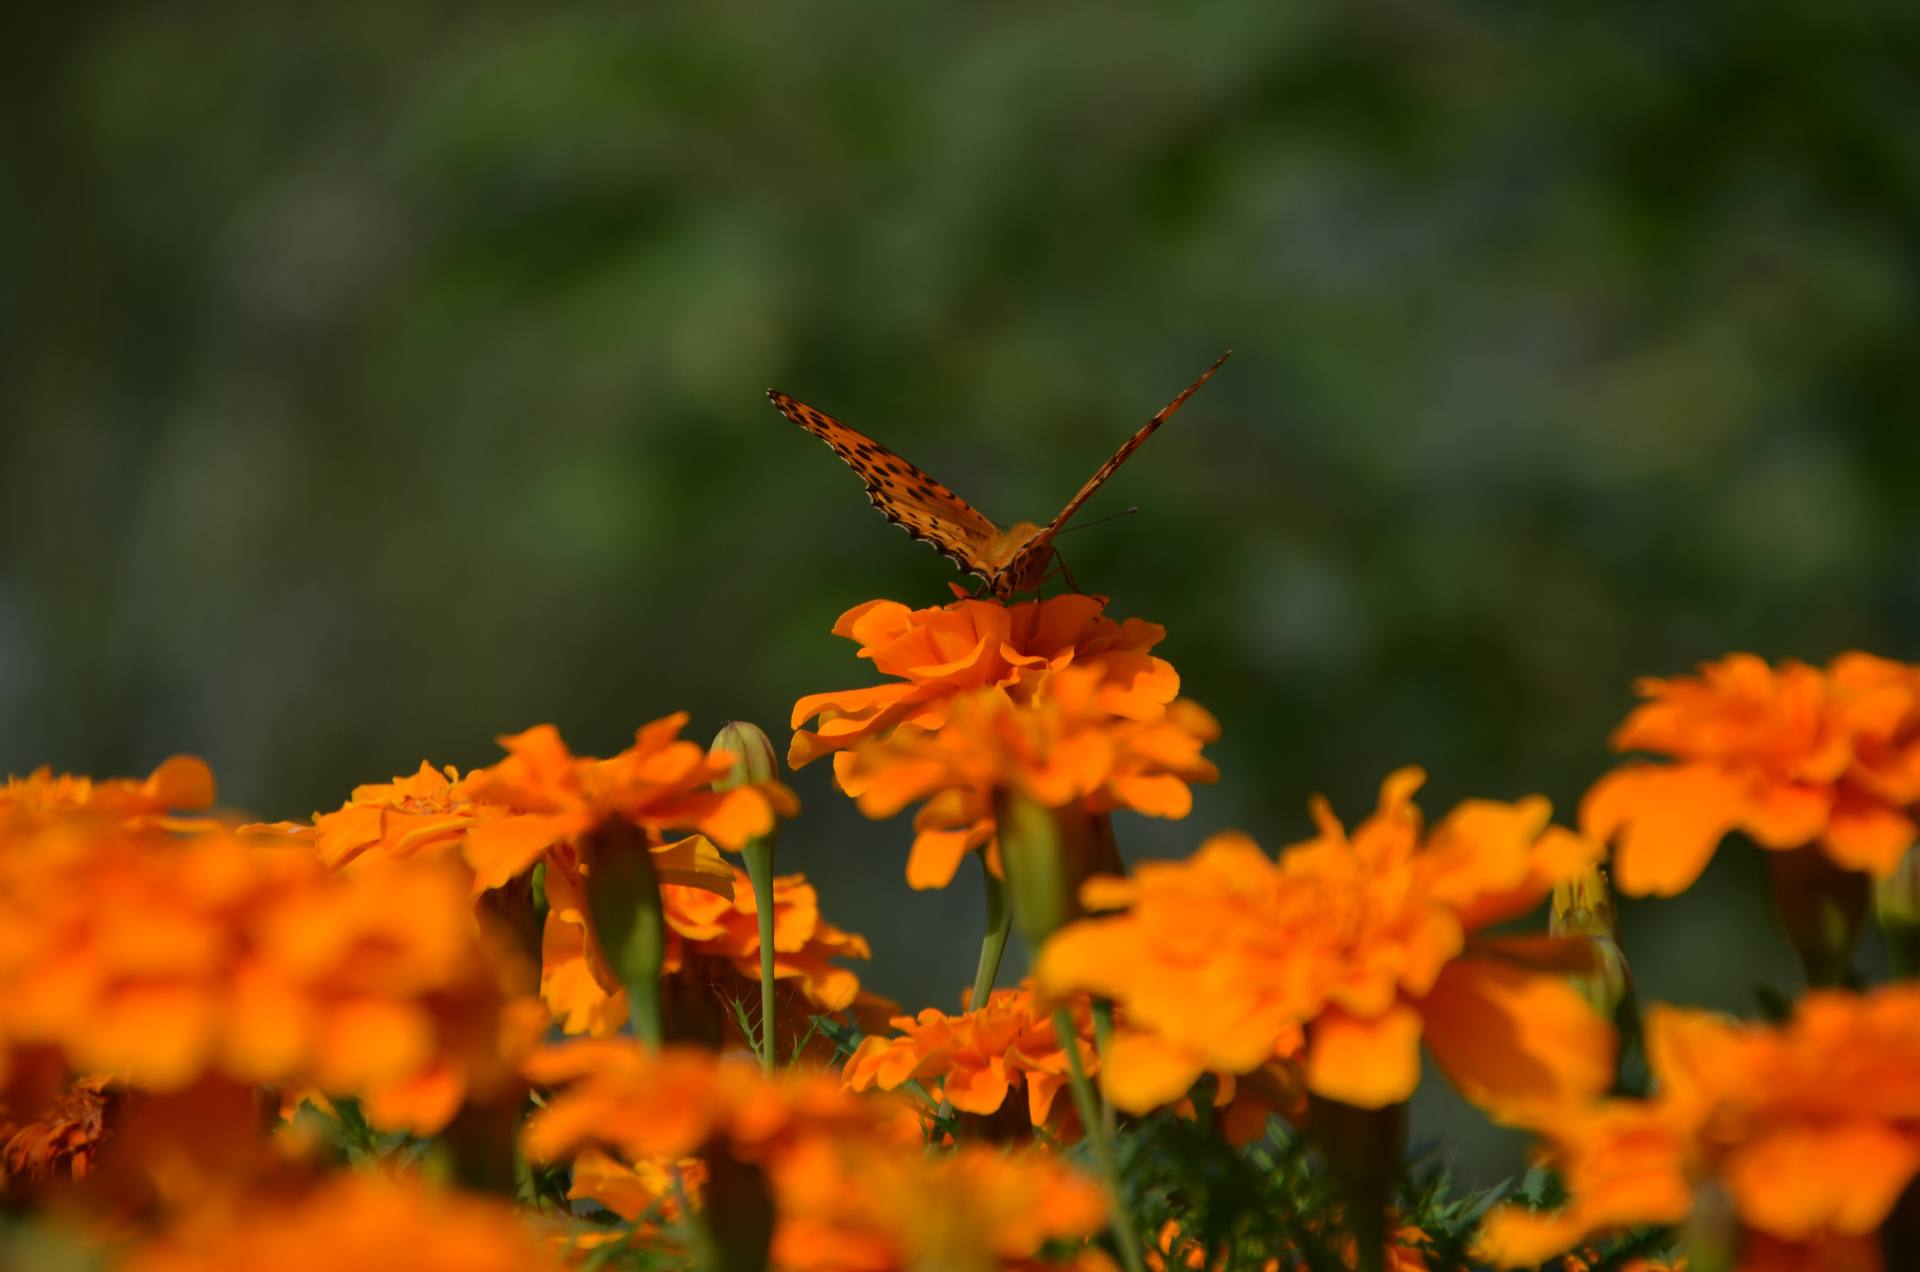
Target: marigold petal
(1366, 1062)
(1864, 834)
(1668, 822)
(1785, 814)
(501, 848)
(1142, 1071)
(1512, 1039)
(1796, 1181)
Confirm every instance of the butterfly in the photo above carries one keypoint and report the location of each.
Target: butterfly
(1010, 560)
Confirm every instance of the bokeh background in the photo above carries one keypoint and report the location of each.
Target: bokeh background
(382, 378)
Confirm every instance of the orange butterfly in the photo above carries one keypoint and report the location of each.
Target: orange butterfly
(1011, 560)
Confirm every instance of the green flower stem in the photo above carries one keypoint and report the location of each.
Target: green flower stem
(1103, 1039)
(1822, 907)
(1044, 852)
(994, 942)
(759, 855)
(1088, 1106)
(754, 763)
(1364, 1149)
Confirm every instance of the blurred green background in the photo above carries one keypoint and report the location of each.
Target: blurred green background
(381, 378)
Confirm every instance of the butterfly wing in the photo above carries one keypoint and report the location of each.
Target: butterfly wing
(1127, 448)
(904, 494)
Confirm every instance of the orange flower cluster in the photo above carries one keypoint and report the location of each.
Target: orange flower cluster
(1811, 1128)
(502, 820)
(1050, 698)
(847, 1177)
(182, 783)
(938, 654)
(367, 1222)
(1358, 947)
(1063, 747)
(163, 960)
(1172, 1248)
(713, 945)
(1789, 756)
(974, 1060)
(534, 805)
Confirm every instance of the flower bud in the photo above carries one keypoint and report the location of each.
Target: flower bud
(756, 764)
(1583, 907)
(754, 759)
(1896, 902)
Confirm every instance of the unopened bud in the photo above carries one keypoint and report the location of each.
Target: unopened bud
(754, 759)
(1896, 902)
(1583, 907)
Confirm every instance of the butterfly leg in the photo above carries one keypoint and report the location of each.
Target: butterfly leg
(1074, 586)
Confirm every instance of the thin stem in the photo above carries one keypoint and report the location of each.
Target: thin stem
(994, 942)
(1102, 1039)
(759, 856)
(1085, 1103)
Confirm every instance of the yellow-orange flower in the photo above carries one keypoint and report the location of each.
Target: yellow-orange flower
(1359, 947)
(364, 1221)
(163, 960)
(502, 819)
(866, 1206)
(849, 1179)
(711, 941)
(1405, 1253)
(939, 653)
(976, 1059)
(1811, 1128)
(1789, 756)
(182, 783)
(1064, 744)
(675, 1103)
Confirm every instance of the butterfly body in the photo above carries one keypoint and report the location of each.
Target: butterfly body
(1011, 559)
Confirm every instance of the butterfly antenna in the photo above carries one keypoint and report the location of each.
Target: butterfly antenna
(1087, 525)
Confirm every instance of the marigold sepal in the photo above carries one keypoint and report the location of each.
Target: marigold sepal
(1822, 908)
(629, 925)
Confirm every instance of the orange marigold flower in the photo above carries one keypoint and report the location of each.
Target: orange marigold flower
(669, 1105)
(1789, 756)
(848, 1175)
(974, 1060)
(867, 1206)
(164, 959)
(182, 783)
(1405, 1253)
(361, 1220)
(501, 820)
(1359, 947)
(940, 653)
(1065, 744)
(712, 941)
(1811, 1128)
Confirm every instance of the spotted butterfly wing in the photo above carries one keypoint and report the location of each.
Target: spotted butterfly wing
(1011, 560)
(903, 493)
(1034, 552)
